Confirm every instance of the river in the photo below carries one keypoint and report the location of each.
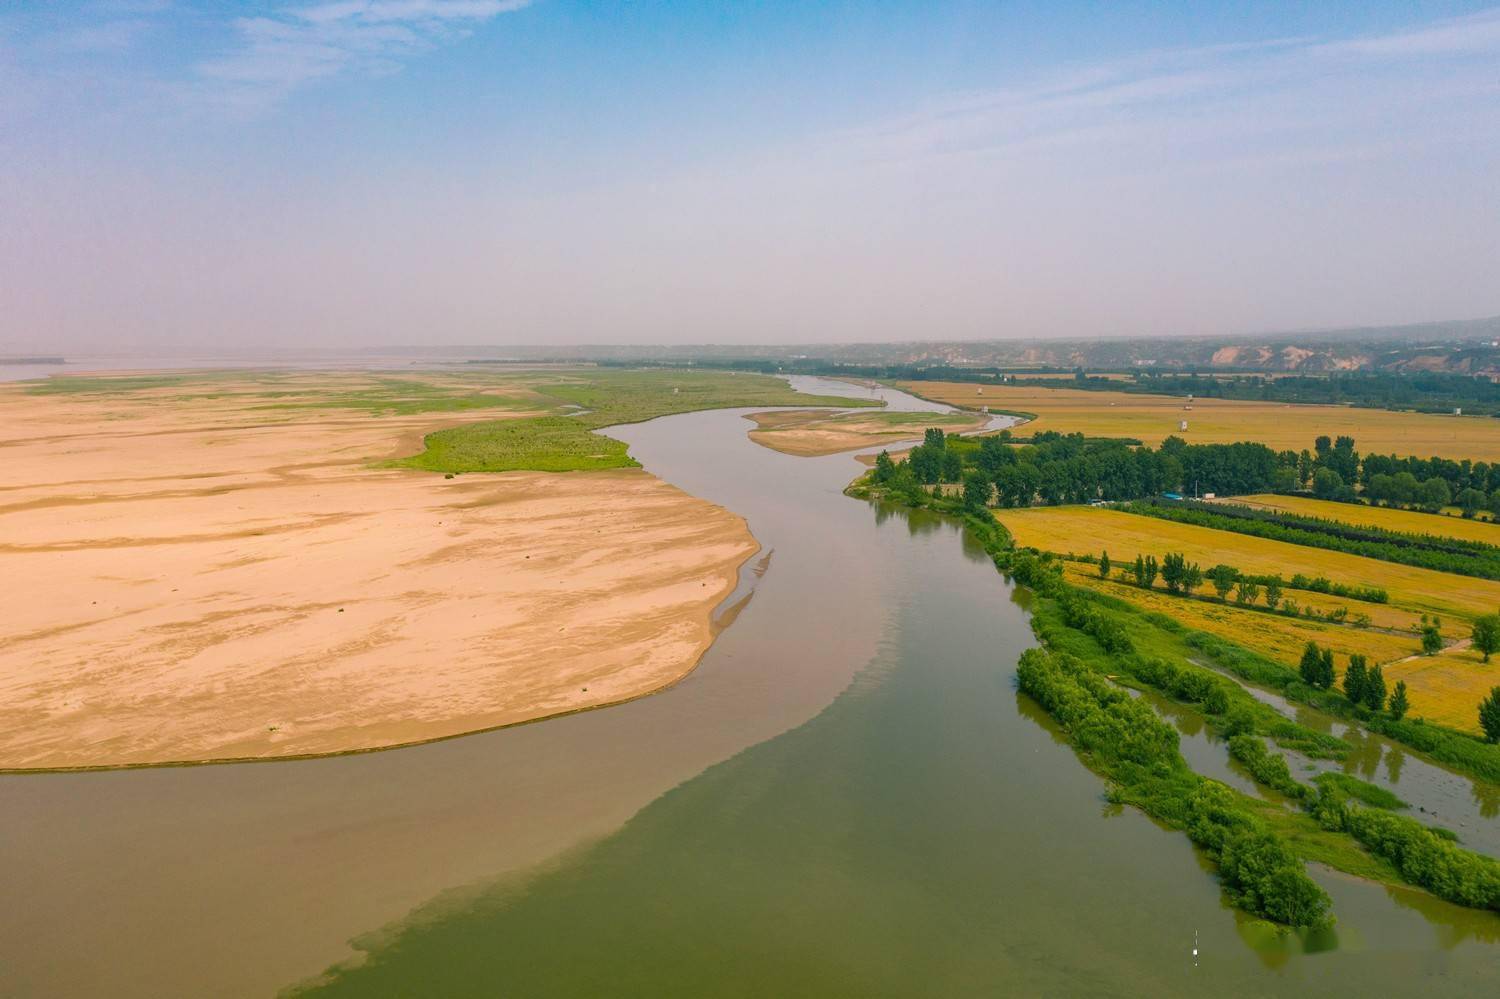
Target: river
(847, 797)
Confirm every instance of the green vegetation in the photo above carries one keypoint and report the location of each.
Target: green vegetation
(1359, 790)
(1489, 715)
(377, 395)
(1425, 857)
(407, 397)
(1090, 638)
(1486, 635)
(1266, 767)
(1126, 742)
(106, 384)
(557, 443)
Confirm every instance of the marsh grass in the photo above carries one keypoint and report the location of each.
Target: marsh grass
(599, 398)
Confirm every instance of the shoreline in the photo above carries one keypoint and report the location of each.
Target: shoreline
(715, 629)
(453, 585)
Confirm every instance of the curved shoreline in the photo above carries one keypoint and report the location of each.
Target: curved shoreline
(732, 584)
(235, 632)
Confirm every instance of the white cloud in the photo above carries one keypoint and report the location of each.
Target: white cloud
(1475, 33)
(1178, 97)
(277, 54)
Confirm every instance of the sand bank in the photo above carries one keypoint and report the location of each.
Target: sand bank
(199, 580)
(813, 432)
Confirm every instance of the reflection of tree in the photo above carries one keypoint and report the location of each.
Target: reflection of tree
(1365, 754)
(1395, 759)
(1454, 923)
(1488, 798)
(1028, 708)
(1188, 721)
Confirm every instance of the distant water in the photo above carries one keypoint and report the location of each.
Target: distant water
(88, 363)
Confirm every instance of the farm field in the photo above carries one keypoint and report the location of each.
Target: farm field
(1088, 530)
(1277, 636)
(1446, 688)
(1409, 521)
(1153, 418)
(809, 432)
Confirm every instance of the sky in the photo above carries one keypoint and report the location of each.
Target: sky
(182, 175)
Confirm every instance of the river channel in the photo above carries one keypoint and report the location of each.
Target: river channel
(847, 798)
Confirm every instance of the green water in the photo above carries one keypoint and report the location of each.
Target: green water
(926, 834)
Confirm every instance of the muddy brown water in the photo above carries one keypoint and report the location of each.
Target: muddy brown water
(847, 797)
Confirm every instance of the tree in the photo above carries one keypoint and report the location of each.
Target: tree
(1327, 483)
(1192, 578)
(1486, 635)
(1471, 501)
(1432, 636)
(1489, 715)
(1399, 704)
(884, 467)
(1325, 669)
(1247, 592)
(1173, 569)
(905, 487)
(1104, 565)
(1435, 494)
(1374, 692)
(1273, 592)
(926, 463)
(934, 438)
(1223, 577)
(1304, 466)
(977, 489)
(953, 466)
(1312, 664)
(1145, 571)
(1354, 679)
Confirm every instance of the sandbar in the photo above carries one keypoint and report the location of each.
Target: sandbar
(194, 580)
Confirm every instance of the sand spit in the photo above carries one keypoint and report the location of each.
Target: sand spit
(189, 582)
(812, 433)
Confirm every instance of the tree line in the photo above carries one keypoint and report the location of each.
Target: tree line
(1070, 468)
(1465, 558)
(1180, 576)
(1056, 468)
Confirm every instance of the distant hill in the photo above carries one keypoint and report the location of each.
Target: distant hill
(1468, 347)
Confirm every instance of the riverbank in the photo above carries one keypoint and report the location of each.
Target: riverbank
(813, 433)
(208, 578)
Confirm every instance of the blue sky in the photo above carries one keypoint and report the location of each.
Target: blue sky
(181, 175)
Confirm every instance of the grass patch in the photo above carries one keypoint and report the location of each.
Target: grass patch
(543, 444)
(1371, 794)
(602, 398)
(106, 384)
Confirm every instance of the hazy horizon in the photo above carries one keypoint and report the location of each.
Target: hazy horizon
(188, 178)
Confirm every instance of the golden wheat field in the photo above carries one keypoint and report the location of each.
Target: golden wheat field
(1408, 521)
(1448, 687)
(1086, 530)
(1283, 426)
(1280, 637)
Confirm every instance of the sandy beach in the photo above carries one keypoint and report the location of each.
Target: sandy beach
(811, 433)
(196, 580)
